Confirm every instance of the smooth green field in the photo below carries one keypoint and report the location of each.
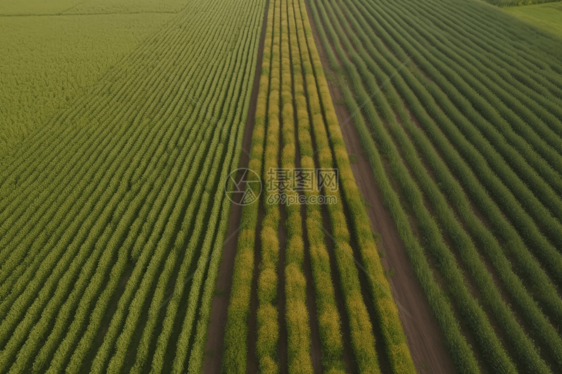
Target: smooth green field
(511, 3)
(545, 16)
(54, 51)
(47, 61)
(64, 7)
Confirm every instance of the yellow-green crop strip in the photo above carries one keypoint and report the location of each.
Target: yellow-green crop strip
(294, 91)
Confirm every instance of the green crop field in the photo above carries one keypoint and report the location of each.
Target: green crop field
(103, 202)
(280, 186)
(48, 61)
(462, 124)
(547, 17)
(294, 99)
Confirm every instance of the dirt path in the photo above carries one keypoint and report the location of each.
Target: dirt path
(424, 336)
(217, 322)
(425, 339)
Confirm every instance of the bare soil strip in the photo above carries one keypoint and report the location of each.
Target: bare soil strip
(282, 350)
(217, 321)
(252, 365)
(425, 339)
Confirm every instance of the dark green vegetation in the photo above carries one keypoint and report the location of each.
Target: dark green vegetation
(465, 141)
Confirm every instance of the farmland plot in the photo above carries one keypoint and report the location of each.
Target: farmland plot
(458, 110)
(112, 213)
(46, 62)
(547, 17)
(296, 128)
(123, 125)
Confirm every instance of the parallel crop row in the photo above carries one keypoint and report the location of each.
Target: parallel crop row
(118, 220)
(236, 334)
(299, 107)
(267, 313)
(296, 313)
(458, 138)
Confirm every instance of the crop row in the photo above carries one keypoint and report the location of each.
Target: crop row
(329, 318)
(236, 333)
(267, 313)
(155, 147)
(364, 61)
(296, 313)
(294, 99)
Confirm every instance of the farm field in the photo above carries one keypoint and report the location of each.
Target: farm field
(111, 204)
(458, 112)
(45, 66)
(298, 303)
(547, 17)
(55, 51)
(280, 186)
(91, 7)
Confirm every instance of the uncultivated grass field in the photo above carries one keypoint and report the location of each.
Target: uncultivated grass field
(547, 17)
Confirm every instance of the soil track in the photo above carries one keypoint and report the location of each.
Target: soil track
(425, 339)
(217, 321)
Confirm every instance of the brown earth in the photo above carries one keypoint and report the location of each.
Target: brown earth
(425, 339)
(252, 364)
(424, 336)
(282, 345)
(217, 321)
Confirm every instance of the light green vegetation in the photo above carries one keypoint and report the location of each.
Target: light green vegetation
(547, 17)
(47, 62)
(112, 203)
(62, 7)
(510, 3)
(128, 6)
(21, 7)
